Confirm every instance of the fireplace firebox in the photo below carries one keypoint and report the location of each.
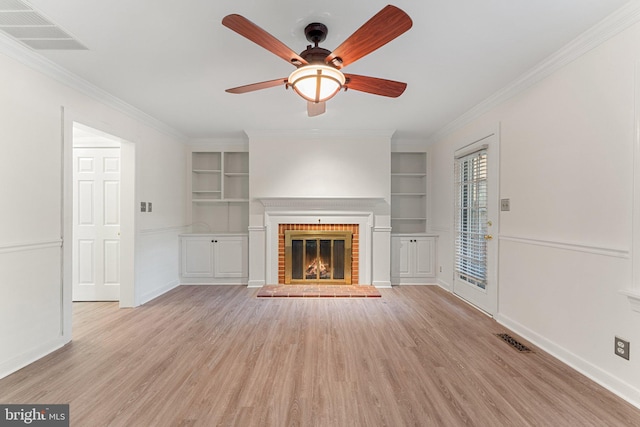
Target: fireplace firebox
(318, 257)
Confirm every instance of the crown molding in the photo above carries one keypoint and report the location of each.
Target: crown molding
(618, 21)
(312, 134)
(37, 62)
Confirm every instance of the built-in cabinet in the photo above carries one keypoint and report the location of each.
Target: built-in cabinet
(214, 258)
(220, 191)
(413, 258)
(412, 249)
(218, 251)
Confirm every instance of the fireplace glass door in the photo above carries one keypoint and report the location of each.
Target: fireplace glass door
(318, 257)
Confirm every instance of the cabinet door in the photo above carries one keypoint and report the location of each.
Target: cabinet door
(231, 256)
(401, 257)
(424, 262)
(196, 257)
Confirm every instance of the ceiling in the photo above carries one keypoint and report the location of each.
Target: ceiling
(174, 59)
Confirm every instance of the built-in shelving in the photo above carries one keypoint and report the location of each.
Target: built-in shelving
(220, 191)
(408, 192)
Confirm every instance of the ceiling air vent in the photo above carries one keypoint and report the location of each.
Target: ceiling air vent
(23, 23)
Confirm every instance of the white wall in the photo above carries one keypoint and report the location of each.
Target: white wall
(565, 246)
(320, 164)
(161, 178)
(35, 308)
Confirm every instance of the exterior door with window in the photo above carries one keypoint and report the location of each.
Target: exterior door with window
(476, 198)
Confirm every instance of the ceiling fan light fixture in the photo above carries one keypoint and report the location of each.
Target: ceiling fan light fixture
(316, 82)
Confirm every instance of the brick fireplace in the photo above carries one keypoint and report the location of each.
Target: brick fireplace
(355, 244)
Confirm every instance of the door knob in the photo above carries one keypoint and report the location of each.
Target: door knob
(488, 237)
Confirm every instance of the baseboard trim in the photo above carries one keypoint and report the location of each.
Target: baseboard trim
(157, 292)
(16, 363)
(256, 283)
(613, 384)
(426, 283)
(444, 285)
(382, 284)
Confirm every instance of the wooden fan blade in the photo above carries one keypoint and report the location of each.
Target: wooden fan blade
(248, 29)
(375, 85)
(258, 86)
(385, 26)
(316, 108)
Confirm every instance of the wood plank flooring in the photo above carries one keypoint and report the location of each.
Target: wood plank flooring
(217, 355)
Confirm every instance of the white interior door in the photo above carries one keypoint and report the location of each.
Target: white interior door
(476, 201)
(96, 224)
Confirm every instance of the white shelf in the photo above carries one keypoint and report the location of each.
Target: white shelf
(220, 190)
(409, 192)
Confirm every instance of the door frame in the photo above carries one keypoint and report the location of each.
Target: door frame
(489, 136)
(127, 207)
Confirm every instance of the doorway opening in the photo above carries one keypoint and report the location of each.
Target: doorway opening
(120, 252)
(96, 215)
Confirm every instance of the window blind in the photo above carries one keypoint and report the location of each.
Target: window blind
(471, 218)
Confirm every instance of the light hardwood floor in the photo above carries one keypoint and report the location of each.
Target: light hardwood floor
(216, 355)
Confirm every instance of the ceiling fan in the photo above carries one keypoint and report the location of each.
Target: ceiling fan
(318, 76)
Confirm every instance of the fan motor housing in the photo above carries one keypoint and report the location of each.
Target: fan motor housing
(314, 54)
(316, 32)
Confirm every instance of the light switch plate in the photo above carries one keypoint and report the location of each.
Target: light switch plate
(505, 205)
(143, 206)
(149, 206)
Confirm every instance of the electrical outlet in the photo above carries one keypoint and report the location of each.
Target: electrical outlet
(505, 204)
(143, 206)
(149, 207)
(621, 348)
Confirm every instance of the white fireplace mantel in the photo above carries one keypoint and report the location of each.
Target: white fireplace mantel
(374, 257)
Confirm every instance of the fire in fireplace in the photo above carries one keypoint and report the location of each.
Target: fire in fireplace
(317, 257)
